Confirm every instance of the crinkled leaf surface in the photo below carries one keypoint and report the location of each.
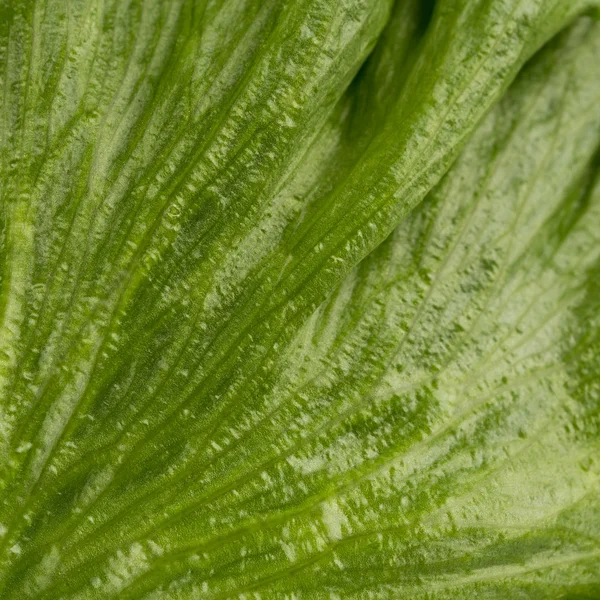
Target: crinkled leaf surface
(299, 299)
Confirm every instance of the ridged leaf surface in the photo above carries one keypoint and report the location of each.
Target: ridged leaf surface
(299, 299)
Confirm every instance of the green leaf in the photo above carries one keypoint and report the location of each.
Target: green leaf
(299, 299)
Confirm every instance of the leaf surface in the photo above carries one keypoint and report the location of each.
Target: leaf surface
(236, 361)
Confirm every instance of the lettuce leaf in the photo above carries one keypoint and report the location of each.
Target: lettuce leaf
(299, 299)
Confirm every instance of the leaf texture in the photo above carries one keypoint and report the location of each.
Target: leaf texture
(299, 299)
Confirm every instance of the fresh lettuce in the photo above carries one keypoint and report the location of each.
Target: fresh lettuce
(299, 299)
